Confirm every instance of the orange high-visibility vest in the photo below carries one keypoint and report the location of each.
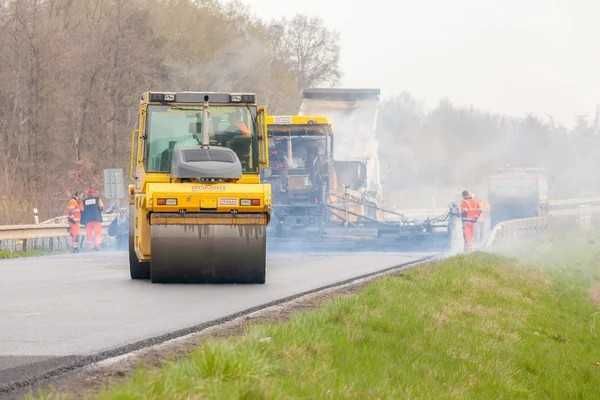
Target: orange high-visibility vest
(74, 210)
(470, 209)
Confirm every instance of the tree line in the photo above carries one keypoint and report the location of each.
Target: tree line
(429, 156)
(71, 72)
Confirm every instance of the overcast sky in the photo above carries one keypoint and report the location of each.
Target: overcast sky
(509, 56)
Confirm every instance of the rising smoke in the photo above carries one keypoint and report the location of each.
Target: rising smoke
(429, 156)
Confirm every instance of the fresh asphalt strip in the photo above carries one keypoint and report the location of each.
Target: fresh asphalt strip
(22, 377)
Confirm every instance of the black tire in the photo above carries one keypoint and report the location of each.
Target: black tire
(137, 268)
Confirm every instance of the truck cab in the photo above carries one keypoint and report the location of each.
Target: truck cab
(517, 193)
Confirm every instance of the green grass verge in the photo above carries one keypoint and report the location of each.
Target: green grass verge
(479, 326)
(4, 254)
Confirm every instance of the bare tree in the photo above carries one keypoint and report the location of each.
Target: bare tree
(71, 72)
(312, 50)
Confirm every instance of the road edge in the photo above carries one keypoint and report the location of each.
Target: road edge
(121, 352)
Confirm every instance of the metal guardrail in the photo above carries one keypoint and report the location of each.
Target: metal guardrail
(62, 219)
(578, 215)
(29, 237)
(517, 229)
(573, 203)
(45, 236)
(25, 232)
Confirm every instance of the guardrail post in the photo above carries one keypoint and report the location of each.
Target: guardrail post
(36, 217)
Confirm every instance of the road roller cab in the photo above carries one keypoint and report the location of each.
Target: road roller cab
(198, 208)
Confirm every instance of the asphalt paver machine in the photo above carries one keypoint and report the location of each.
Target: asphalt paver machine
(301, 158)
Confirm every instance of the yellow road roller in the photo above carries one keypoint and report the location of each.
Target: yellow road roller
(198, 209)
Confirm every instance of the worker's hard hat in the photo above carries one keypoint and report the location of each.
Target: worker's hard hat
(466, 193)
(92, 192)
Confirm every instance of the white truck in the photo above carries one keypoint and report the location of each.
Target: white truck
(517, 193)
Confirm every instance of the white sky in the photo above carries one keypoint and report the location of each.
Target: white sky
(508, 56)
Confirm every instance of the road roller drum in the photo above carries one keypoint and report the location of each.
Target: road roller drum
(208, 249)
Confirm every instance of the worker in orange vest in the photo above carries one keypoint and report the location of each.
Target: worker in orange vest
(74, 219)
(470, 209)
(92, 218)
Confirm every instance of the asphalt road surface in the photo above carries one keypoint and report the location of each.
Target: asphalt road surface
(54, 309)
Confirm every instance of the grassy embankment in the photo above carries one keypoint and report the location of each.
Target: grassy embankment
(4, 254)
(479, 326)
